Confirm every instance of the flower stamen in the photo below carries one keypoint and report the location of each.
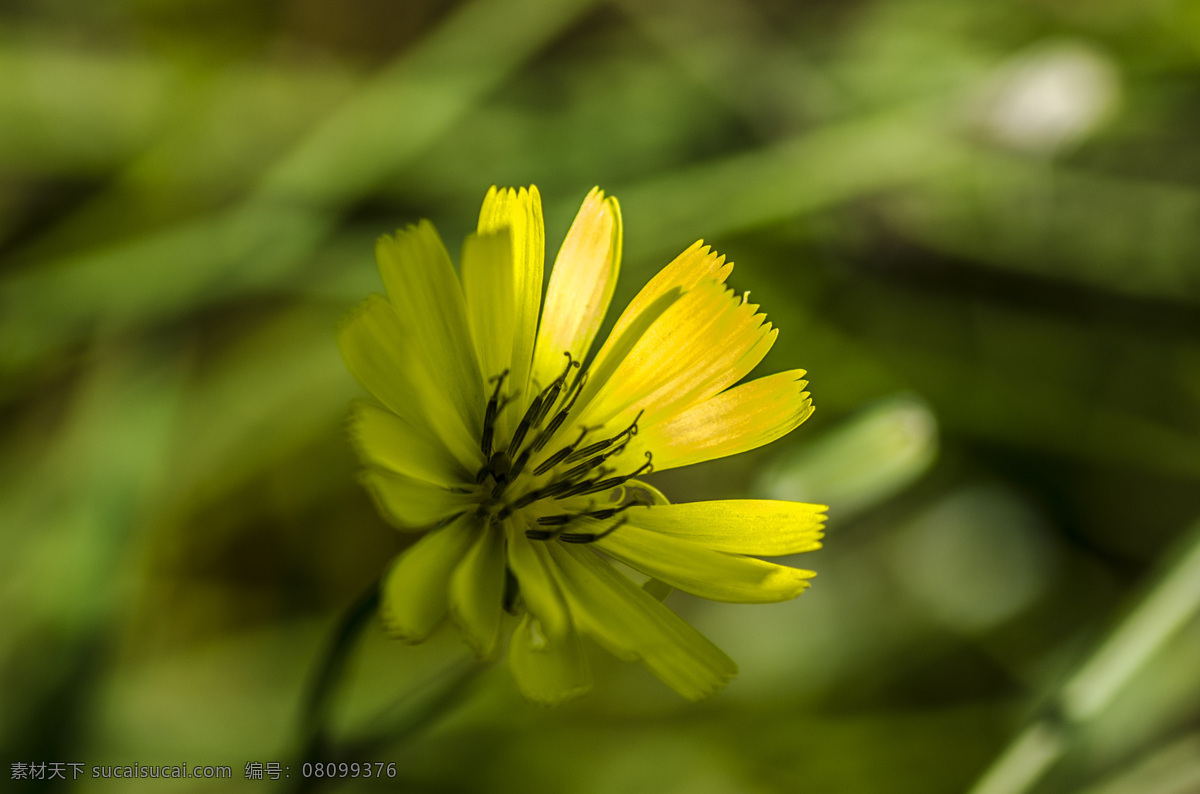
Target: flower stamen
(599, 446)
(552, 461)
(489, 421)
(562, 520)
(555, 423)
(592, 537)
(595, 486)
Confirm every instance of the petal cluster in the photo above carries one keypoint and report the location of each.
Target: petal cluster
(521, 467)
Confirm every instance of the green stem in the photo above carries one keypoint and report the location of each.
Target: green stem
(420, 710)
(429, 702)
(1157, 616)
(320, 691)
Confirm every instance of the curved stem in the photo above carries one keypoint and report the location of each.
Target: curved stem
(317, 701)
(1166, 606)
(428, 703)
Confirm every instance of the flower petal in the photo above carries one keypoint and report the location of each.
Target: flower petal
(531, 566)
(487, 277)
(699, 263)
(520, 211)
(428, 299)
(414, 592)
(381, 354)
(701, 344)
(371, 341)
(476, 591)
(547, 670)
(736, 420)
(581, 286)
(412, 504)
(387, 441)
(630, 623)
(740, 526)
(701, 571)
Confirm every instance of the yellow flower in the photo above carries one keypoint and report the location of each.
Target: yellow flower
(520, 466)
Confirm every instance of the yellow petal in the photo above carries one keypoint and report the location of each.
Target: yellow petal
(372, 343)
(520, 211)
(414, 592)
(530, 564)
(387, 441)
(740, 526)
(631, 623)
(581, 286)
(412, 504)
(428, 299)
(381, 354)
(547, 670)
(701, 571)
(736, 420)
(697, 264)
(487, 275)
(701, 344)
(476, 591)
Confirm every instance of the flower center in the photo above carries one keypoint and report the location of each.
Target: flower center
(523, 475)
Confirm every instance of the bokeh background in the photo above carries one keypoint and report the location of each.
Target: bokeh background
(977, 225)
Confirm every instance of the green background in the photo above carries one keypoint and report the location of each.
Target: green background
(977, 226)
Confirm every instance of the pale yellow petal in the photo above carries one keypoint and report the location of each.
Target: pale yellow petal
(385, 440)
(413, 594)
(763, 527)
(548, 670)
(410, 503)
(581, 286)
(631, 623)
(701, 571)
(477, 589)
(428, 299)
(736, 420)
(520, 211)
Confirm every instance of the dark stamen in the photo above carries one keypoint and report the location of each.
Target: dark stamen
(489, 416)
(591, 537)
(612, 482)
(583, 486)
(628, 432)
(519, 436)
(500, 467)
(538, 409)
(609, 512)
(555, 423)
(552, 461)
(519, 465)
(529, 498)
(558, 520)
(553, 390)
(584, 468)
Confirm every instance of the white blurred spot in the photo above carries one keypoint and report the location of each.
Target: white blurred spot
(1048, 97)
